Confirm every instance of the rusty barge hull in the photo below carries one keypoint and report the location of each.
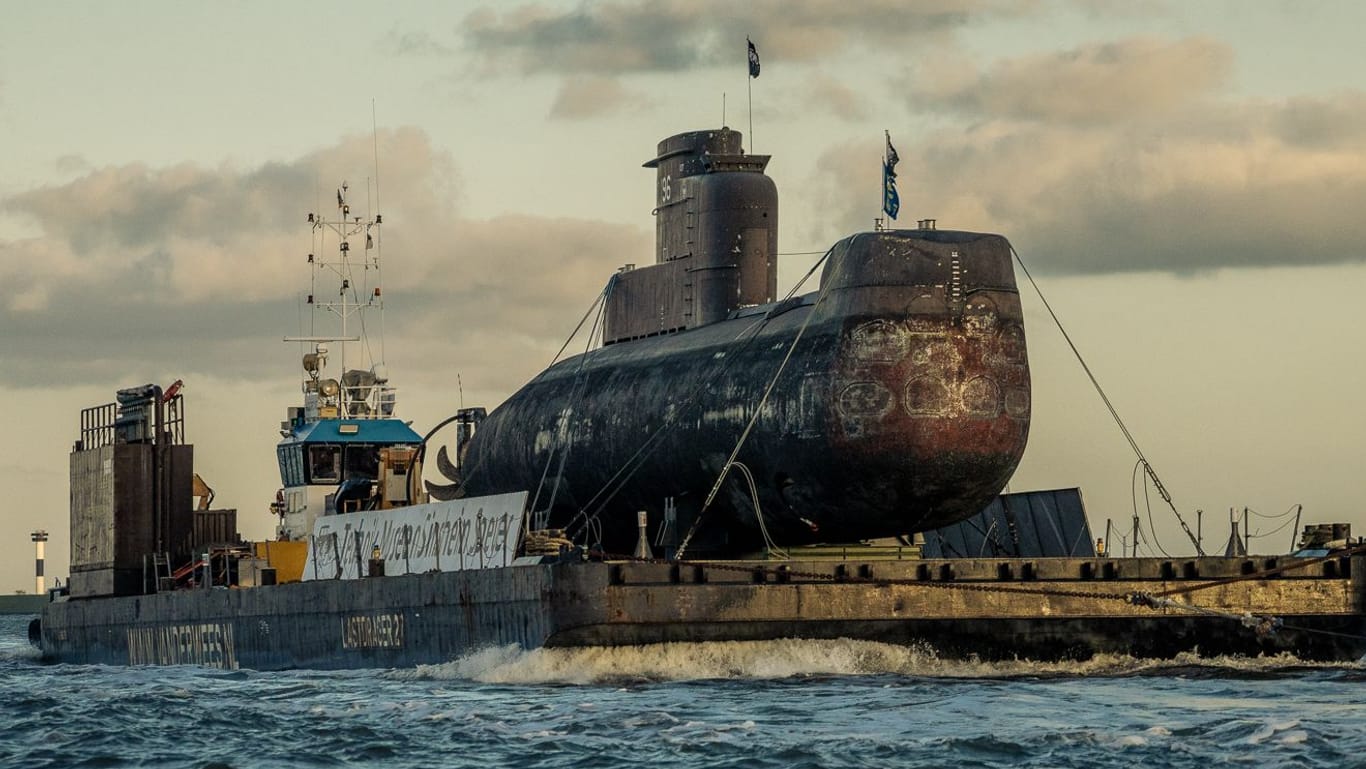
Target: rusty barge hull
(1001, 608)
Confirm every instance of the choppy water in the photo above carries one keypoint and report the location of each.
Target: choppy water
(778, 704)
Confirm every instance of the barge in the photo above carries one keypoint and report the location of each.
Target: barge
(996, 608)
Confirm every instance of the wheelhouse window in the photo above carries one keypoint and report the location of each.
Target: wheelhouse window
(362, 460)
(291, 464)
(324, 464)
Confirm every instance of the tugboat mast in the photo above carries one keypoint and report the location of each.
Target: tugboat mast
(359, 290)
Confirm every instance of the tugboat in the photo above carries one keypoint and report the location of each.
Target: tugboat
(344, 450)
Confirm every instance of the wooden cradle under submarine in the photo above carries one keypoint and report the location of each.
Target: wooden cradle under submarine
(893, 398)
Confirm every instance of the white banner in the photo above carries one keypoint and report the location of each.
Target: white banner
(473, 533)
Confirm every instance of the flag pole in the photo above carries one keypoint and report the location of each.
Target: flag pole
(882, 188)
(881, 220)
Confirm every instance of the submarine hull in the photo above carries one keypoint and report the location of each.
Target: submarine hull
(902, 407)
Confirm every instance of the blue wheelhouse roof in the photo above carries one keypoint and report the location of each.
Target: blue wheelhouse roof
(367, 431)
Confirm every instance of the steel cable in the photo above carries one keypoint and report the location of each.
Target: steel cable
(651, 443)
(1114, 413)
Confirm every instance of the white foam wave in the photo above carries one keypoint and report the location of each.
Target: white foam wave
(1295, 738)
(789, 658)
(21, 653)
(1273, 728)
(1131, 741)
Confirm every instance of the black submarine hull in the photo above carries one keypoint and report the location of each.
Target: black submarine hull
(904, 406)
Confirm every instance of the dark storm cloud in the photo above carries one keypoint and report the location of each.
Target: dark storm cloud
(671, 35)
(134, 266)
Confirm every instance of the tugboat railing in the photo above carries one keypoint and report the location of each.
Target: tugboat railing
(372, 401)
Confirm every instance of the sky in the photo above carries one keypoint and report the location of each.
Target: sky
(1183, 179)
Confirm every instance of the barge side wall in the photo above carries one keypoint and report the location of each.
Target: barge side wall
(959, 607)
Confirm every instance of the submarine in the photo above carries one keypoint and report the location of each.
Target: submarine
(891, 399)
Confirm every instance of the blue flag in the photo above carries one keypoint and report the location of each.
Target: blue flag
(891, 202)
(753, 59)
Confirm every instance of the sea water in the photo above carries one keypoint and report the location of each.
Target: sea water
(770, 704)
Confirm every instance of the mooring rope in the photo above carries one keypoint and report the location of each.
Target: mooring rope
(597, 302)
(1114, 413)
(763, 401)
(566, 414)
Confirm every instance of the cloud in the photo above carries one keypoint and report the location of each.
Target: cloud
(514, 290)
(822, 93)
(134, 268)
(1214, 186)
(71, 164)
(182, 234)
(1112, 82)
(670, 35)
(1131, 9)
(582, 97)
(414, 43)
(1325, 124)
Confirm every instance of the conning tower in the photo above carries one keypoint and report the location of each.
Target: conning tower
(716, 239)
